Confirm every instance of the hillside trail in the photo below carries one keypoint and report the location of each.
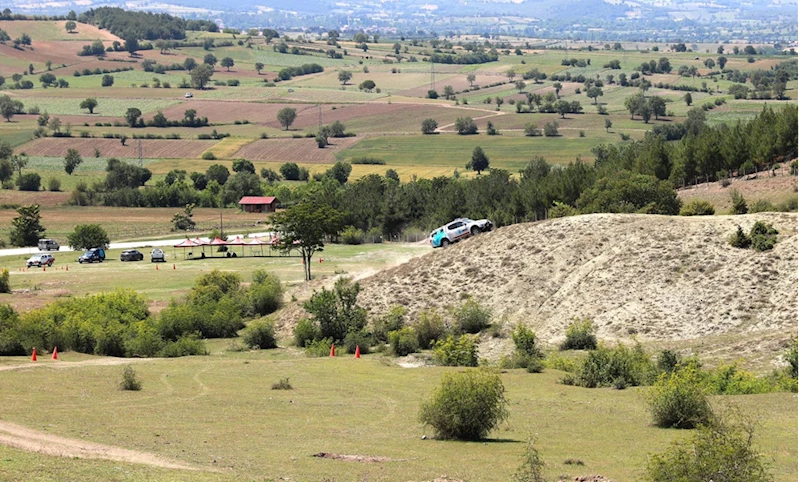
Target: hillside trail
(23, 438)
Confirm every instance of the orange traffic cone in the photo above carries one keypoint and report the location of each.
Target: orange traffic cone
(173, 265)
(33, 358)
(55, 353)
(332, 350)
(44, 268)
(156, 267)
(357, 351)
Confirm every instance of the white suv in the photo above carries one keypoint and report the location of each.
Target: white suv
(40, 260)
(157, 256)
(458, 229)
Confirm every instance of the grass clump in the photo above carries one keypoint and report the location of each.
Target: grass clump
(580, 335)
(458, 351)
(129, 379)
(283, 384)
(678, 399)
(467, 405)
(260, 334)
(470, 317)
(719, 451)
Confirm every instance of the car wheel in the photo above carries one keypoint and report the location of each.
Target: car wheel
(475, 230)
(444, 243)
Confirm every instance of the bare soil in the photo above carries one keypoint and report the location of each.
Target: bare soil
(151, 148)
(302, 150)
(657, 278)
(775, 189)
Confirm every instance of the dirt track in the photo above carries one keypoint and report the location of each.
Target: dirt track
(23, 438)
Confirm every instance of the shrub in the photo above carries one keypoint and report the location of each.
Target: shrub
(532, 466)
(265, 293)
(739, 239)
(368, 160)
(403, 341)
(53, 184)
(456, 352)
(260, 334)
(5, 281)
(470, 317)
(738, 203)
(763, 236)
(352, 235)
(762, 206)
(719, 451)
(698, 207)
(677, 400)
(29, 181)
(129, 380)
(209, 156)
(184, 346)
(468, 405)
(356, 339)
(668, 360)
(580, 336)
(551, 129)
(526, 342)
(318, 348)
(335, 312)
(305, 332)
(429, 328)
(619, 366)
(393, 320)
(562, 210)
(283, 384)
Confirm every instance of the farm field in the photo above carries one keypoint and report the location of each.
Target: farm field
(151, 148)
(294, 150)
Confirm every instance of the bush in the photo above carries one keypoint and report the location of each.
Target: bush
(429, 328)
(580, 336)
(352, 235)
(391, 321)
(762, 206)
(29, 181)
(403, 341)
(526, 342)
(532, 466)
(5, 281)
(738, 203)
(698, 207)
(335, 312)
(184, 346)
(305, 332)
(678, 400)
(551, 129)
(265, 293)
(719, 451)
(456, 352)
(619, 366)
(374, 161)
(283, 384)
(562, 210)
(318, 348)
(53, 184)
(763, 236)
(739, 239)
(260, 334)
(468, 405)
(209, 156)
(129, 380)
(470, 317)
(356, 339)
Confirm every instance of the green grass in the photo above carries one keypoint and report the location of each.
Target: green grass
(504, 152)
(107, 106)
(343, 406)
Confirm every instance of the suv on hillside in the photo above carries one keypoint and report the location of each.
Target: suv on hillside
(458, 229)
(92, 255)
(40, 260)
(48, 244)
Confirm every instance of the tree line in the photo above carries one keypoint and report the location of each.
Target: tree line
(143, 25)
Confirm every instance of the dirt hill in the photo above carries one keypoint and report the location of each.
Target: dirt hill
(655, 277)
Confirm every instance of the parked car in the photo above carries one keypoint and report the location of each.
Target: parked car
(458, 229)
(188, 95)
(94, 255)
(131, 255)
(157, 256)
(48, 244)
(40, 260)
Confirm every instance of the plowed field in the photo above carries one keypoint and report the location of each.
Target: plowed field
(151, 148)
(294, 150)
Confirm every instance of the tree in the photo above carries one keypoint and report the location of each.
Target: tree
(467, 405)
(70, 26)
(243, 165)
(270, 34)
(608, 125)
(107, 80)
(710, 63)
(688, 99)
(429, 126)
(87, 236)
(558, 86)
(227, 62)
(465, 126)
(290, 171)
(259, 66)
(48, 80)
(209, 59)
(551, 129)
(633, 104)
(479, 161)
(189, 64)
(201, 75)
(367, 85)
(72, 160)
(340, 172)
(132, 116)
(218, 173)
(89, 103)
(520, 85)
(471, 78)
(286, 117)
(304, 227)
(344, 76)
(19, 161)
(658, 106)
(594, 93)
(26, 229)
(562, 107)
(7, 107)
(511, 74)
(722, 61)
(131, 45)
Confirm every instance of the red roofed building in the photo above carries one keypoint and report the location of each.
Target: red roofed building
(258, 204)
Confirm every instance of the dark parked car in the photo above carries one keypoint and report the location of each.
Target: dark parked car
(93, 255)
(131, 255)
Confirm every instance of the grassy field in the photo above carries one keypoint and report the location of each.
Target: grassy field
(364, 407)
